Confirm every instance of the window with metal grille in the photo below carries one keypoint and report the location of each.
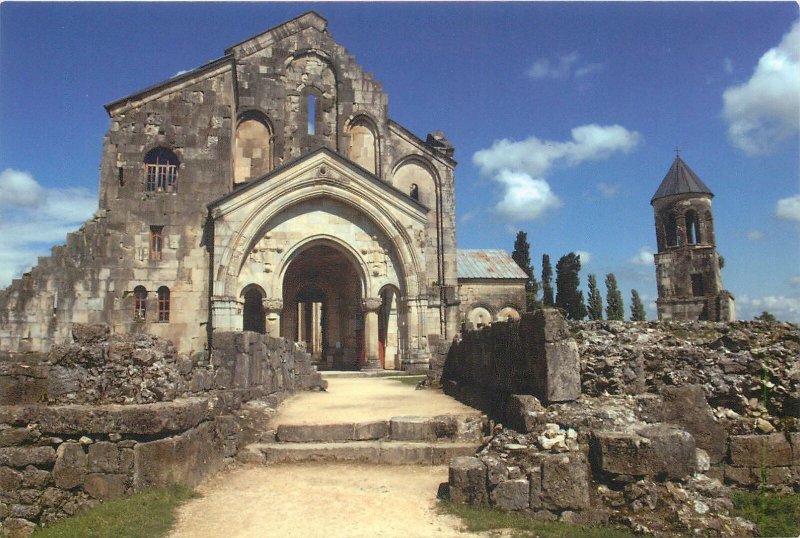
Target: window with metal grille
(161, 171)
(163, 303)
(156, 242)
(139, 303)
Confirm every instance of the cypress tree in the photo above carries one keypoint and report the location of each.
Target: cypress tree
(547, 281)
(568, 297)
(615, 309)
(522, 255)
(637, 308)
(595, 306)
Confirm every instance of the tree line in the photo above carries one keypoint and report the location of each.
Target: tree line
(568, 297)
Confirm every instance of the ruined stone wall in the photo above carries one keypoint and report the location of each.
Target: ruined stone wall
(110, 415)
(501, 299)
(531, 356)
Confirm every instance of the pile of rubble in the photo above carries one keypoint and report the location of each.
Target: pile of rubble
(99, 368)
(748, 370)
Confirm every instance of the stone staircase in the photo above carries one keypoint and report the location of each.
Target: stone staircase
(402, 440)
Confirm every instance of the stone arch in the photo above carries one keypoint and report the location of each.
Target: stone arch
(480, 315)
(416, 170)
(693, 231)
(671, 231)
(234, 256)
(508, 312)
(310, 72)
(253, 146)
(364, 143)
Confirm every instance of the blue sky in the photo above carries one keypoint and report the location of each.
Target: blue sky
(564, 117)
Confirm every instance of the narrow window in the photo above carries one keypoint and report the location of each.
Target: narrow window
(414, 191)
(163, 304)
(139, 303)
(120, 178)
(161, 171)
(693, 235)
(312, 114)
(698, 288)
(156, 242)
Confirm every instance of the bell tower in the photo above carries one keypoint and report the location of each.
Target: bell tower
(688, 272)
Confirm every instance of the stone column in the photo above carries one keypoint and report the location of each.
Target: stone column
(226, 313)
(371, 306)
(272, 311)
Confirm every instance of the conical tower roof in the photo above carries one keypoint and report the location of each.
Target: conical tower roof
(680, 180)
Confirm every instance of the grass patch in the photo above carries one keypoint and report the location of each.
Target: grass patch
(775, 514)
(483, 518)
(409, 379)
(143, 515)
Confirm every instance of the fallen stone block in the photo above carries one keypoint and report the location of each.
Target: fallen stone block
(671, 452)
(565, 482)
(687, 407)
(771, 450)
(18, 456)
(307, 433)
(104, 486)
(69, 470)
(411, 429)
(467, 481)
(524, 412)
(365, 431)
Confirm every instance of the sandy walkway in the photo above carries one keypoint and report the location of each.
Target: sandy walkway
(365, 399)
(310, 500)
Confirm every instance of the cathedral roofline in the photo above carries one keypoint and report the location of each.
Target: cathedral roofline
(322, 149)
(680, 179)
(292, 26)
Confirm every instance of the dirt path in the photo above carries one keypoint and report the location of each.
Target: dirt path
(326, 500)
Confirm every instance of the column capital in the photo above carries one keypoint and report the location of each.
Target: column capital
(371, 304)
(272, 304)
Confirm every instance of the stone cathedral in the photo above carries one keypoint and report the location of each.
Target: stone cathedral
(269, 191)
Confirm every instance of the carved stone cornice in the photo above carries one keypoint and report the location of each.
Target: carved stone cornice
(371, 304)
(272, 304)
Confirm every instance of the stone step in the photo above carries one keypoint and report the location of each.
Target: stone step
(374, 452)
(462, 428)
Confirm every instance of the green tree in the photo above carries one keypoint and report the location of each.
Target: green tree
(637, 308)
(522, 255)
(766, 316)
(595, 301)
(547, 281)
(615, 309)
(568, 297)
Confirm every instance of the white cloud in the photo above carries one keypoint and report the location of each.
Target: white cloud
(755, 235)
(33, 218)
(468, 216)
(181, 72)
(782, 307)
(788, 208)
(564, 66)
(765, 110)
(525, 198)
(586, 257)
(644, 257)
(520, 166)
(608, 190)
(794, 280)
(727, 65)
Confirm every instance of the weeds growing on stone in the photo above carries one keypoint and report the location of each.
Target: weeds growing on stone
(144, 515)
(775, 514)
(484, 518)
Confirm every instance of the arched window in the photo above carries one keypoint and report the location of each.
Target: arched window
(312, 114)
(163, 304)
(671, 230)
(363, 148)
(693, 234)
(254, 316)
(161, 171)
(253, 147)
(139, 303)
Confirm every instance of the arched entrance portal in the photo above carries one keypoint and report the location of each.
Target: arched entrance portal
(253, 313)
(322, 306)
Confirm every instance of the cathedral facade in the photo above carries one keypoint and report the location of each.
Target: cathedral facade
(268, 191)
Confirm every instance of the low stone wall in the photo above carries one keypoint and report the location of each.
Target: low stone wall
(534, 355)
(58, 459)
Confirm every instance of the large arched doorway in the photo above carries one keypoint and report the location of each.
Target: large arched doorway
(322, 291)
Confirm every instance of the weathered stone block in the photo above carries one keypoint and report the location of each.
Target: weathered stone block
(9, 479)
(794, 439)
(743, 476)
(16, 436)
(15, 527)
(70, 468)
(85, 334)
(25, 511)
(565, 482)
(18, 456)
(411, 429)
(771, 450)
(617, 452)
(687, 406)
(467, 481)
(563, 371)
(33, 477)
(103, 457)
(364, 431)
(672, 451)
(524, 412)
(306, 433)
(496, 471)
(105, 486)
(535, 480)
(511, 495)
